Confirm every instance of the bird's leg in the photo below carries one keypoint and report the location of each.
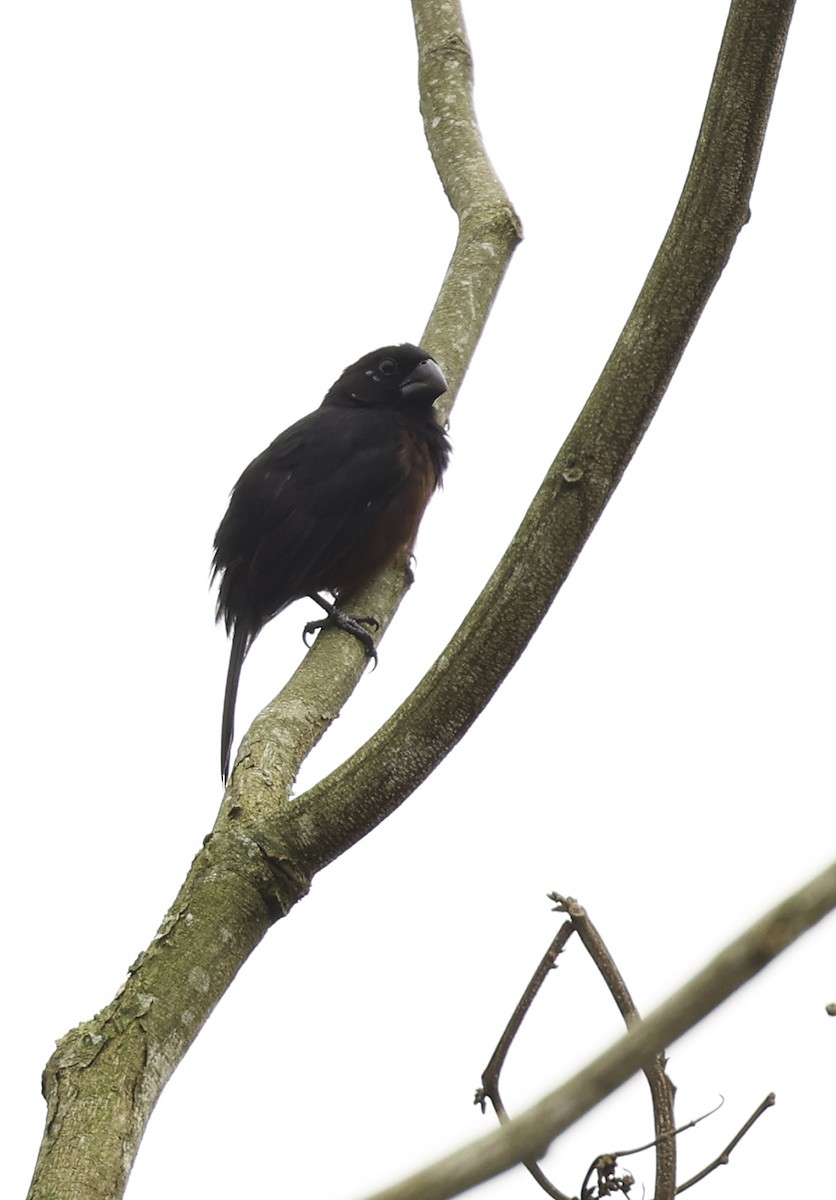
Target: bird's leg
(340, 620)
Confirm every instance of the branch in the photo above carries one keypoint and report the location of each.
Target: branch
(661, 1088)
(722, 1158)
(490, 1076)
(105, 1077)
(530, 1135)
(333, 815)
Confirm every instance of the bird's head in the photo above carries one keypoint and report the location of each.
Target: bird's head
(392, 376)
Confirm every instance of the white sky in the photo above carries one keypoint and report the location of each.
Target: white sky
(208, 211)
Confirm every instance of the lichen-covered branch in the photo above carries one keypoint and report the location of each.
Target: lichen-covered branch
(489, 229)
(105, 1076)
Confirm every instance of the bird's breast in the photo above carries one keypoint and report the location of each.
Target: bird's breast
(391, 534)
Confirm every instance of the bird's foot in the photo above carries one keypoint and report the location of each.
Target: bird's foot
(336, 618)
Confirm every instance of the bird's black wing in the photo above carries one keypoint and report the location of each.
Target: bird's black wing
(298, 508)
(301, 505)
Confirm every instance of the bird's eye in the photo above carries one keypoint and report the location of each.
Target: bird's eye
(388, 366)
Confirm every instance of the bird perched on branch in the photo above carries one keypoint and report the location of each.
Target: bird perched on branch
(333, 500)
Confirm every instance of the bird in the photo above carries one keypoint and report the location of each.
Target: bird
(333, 500)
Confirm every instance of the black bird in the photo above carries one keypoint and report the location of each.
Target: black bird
(334, 499)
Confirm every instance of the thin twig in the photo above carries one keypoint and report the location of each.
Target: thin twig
(692, 1124)
(605, 1164)
(490, 1076)
(722, 1159)
(491, 1073)
(530, 1135)
(661, 1088)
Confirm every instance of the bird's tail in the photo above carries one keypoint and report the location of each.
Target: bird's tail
(240, 645)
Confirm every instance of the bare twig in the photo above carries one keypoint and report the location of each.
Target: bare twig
(661, 1088)
(490, 1076)
(489, 1089)
(722, 1159)
(605, 1164)
(529, 1136)
(692, 1124)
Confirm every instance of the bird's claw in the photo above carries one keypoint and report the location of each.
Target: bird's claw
(352, 625)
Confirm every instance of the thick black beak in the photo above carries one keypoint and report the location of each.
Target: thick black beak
(426, 383)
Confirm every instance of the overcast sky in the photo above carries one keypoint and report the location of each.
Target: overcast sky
(209, 210)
